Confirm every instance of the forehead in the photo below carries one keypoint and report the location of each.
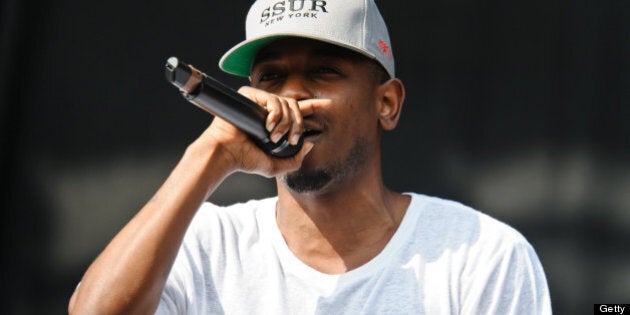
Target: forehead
(303, 47)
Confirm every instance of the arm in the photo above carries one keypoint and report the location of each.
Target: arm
(129, 275)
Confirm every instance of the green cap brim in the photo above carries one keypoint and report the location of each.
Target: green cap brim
(238, 60)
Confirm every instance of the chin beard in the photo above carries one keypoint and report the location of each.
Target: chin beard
(302, 181)
(313, 180)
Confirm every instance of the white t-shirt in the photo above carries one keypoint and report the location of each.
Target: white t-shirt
(445, 258)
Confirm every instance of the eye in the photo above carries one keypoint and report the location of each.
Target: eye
(324, 70)
(268, 76)
(325, 73)
(266, 73)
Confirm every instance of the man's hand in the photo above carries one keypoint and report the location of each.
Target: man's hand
(285, 118)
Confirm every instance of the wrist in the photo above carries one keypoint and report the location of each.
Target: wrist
(211, 157)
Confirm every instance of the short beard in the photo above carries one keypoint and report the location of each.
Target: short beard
(304, 181)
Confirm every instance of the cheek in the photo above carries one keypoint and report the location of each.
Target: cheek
(361, 107)
(355, 116)
(355, 105)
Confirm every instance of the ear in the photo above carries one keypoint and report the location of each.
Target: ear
(391, 96)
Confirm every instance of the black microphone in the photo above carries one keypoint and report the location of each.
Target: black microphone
(220, 100)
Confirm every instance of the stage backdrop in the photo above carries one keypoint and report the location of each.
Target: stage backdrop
(517, 108)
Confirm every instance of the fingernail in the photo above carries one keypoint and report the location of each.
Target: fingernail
(276, 137)
(295, 139)
(270, 126)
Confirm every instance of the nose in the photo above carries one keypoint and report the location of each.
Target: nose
(295, 87)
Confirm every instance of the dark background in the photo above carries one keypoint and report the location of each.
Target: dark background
(517, 108)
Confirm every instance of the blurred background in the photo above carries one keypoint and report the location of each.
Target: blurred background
(517, 108)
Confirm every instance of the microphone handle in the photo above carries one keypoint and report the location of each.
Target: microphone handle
(220, 100)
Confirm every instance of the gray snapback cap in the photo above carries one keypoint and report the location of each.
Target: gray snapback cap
(353, 24)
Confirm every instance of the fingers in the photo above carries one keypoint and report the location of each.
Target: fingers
(307, 107)
(296, 122)
(285, 115)
(284, 118)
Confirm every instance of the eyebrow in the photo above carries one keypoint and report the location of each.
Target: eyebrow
(324, 52)
(264, 57)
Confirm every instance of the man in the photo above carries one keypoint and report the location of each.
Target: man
(335, 239)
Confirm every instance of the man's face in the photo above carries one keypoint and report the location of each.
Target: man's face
(346, 130)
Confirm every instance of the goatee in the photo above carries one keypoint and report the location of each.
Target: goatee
(313, 180)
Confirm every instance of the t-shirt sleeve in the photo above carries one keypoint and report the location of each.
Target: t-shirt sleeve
(179, 282)
(169, 303)
(511, 281)
(189, 285)
(173, 298)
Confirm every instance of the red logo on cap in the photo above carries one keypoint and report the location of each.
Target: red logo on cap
(385, 49)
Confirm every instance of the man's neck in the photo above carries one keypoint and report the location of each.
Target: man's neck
(340, 231)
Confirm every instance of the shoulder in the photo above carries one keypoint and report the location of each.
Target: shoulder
(494, 260)
(213, 218)
(453, 224)
(434, 210)
(237, 211)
